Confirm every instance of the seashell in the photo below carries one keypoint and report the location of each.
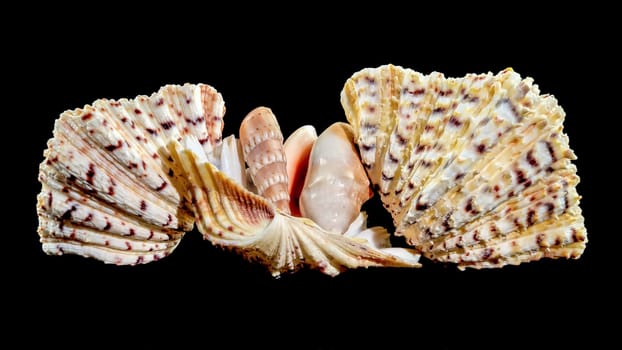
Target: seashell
(107, 178)
(336, 185)
(262, 143)
(230, 216)
(475, 171)
(297, 149)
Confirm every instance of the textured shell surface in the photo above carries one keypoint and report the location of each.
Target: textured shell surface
(336, 185)
(107, 178)
(475, 170)
(262, 144)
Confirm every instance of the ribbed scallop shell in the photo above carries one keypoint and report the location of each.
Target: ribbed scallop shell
(107, 189)
(474, 170)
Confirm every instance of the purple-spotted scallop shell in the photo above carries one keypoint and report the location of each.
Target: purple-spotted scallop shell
(475, 171)
(107, 178)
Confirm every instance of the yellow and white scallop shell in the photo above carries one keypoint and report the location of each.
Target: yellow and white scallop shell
(475, 171)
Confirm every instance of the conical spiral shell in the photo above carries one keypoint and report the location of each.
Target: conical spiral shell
(475, 170)
(262, 144)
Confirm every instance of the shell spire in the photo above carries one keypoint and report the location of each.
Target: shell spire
(262, 144)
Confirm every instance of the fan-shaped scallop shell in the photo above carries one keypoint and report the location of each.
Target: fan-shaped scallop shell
(107, 189)
(475, 170)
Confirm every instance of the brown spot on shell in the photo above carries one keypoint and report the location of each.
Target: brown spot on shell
(488, 253)
(549, 147)
(531, 159)
(162, 186)
(576, 236)
(111, 148)
(520, 176)
(531, 217)
(167, 124)
(421, 206)
(455, 121)
(469, 208)
(90, 174)
(87, 116)
(143, 205)
(401, 140)
(368, 148)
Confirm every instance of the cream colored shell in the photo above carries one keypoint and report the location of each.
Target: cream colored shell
(474, 170)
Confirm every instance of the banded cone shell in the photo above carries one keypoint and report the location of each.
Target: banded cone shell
(107, 177)
(262, 143)
(475, 170)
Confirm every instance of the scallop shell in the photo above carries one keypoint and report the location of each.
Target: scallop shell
(475, 171)
(107, 189)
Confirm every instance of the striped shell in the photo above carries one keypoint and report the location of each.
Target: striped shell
(107, 178)
(475, 171)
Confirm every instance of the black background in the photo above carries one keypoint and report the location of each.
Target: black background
(202, 293)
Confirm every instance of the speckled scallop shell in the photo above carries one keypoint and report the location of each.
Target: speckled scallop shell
(107, 189)
(475, 170)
